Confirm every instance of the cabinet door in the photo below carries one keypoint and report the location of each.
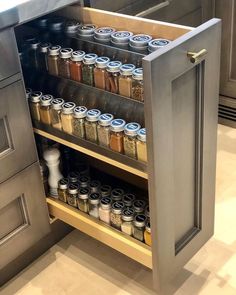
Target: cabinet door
(181, 100)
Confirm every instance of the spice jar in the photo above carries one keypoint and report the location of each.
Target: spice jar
(43, 56)
(125, 79)
(147, 234)
(84, 181)
(103, 34)
(62, 189)
(139, 226)
(121, 39)
(139, 206)
(112, 76)
(155, 44)
(34, 104)
(117, 135)
(127, 221)
(103, 129)
(86, 31)
(88, 68)
(56, 112)
(142, 145)
(139, 42)
(33, 54)
(91, 125)
(137, 85)
(56, 24)
(79, 115)
(45, 107)
(64, 62)
(71, 27)
(83, 199)
(105, 190)
(53, 59)
(117, 194)
(94, 186)
(100, 72)
(130, 133)
(94, 201)
(116, 212)
(67, 117)
(128, 199)
(73, 177)
(76, 65)
(72, 196)
(105, 210)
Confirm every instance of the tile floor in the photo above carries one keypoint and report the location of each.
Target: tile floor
(82, 266)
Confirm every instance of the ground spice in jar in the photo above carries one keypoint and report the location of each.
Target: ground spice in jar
(103, 129)
(139, 206)
(117, 135)
(62, 189)
(139, 226)
(117, 194)
(137, 85)
(112, 76)
(100, 72)
(88, 68)
(56, 112)
(83, 199)
(147, 234)
(130, 133)
(105, 190)
(94, 200)
(34, 104)
(116, 212)
(155, 44)
(72, 194)
(127, 221)
(43, 56)
(105, 210)
(128, 199)
(125, 79)
(53, 59)
(141, 145)
(67, 117)
(76, 65)
(94, 186)
(78, 123)
(45, 107)
(91, 125)
(64, 62)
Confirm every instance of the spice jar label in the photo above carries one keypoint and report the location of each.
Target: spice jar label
(105, 200)
(118, 205)
(63, 181)
(128, 212)
(94, 196)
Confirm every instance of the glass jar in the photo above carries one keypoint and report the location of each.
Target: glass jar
(45, 107)
(94, 201)
(64, 62)
(34, 104)
(127, 221)
(105, 210)
(121, 39)
(139, 227)
(116, 212)
(73, 177)
(71, 27)
(94, 186)
(56, 112)
(117, 194)
(79, 116)
(125, 79)
(91, 125)
(147, 234)
(128, 199)
(53, 59)
(137, 85)
(84, 181)
(63, 189)
(33, 54)
(142, 145)
(72, 196)
(103, 129)
(100, 72)
(130, 133)
(86, 31)
(83, 199)
(76, 65)
(67, 117)
(139, 206)
(117, 135)
(112, 76)
(139, 43)
(105, 190)
(88, 68)
(155, 44)
(43, 56)
(103, 35)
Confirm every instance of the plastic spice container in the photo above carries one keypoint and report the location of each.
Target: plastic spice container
(88, 68)
(71, 27)
(130, 133)
(127, 221)
(94, 201)
(121, 38)
(45, 107)
(64, 62)
(137, 85)
(100, 72)
(33, 54)
(103, 34)
(43, 56)
(79, 115)
(139, 43)
(103, 129)
(83, 199)
(86, 31)
(117, 135)
(62, 189)
(116, 212)
(128, 199)
(105, 190)
(72, 197)
(139, 227)
(125, 79)
(117, 194)
(105, 210)
(139, 206)
(147, 234)
(73, 177)
(76, 65)
(34, 104)
(56, 112)
(84, 181)
(67, 117)
(91, 125)
(142, 145)
(94, 186)
(53, 59)
(155, 44)
(112, 76)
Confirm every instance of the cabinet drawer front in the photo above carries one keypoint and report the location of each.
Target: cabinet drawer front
(17, 147)
(23, 214)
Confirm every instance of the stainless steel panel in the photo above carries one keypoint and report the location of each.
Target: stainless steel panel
(8, 18)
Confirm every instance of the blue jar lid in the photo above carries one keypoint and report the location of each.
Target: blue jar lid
(105, 119)
(142, 134)
(114, 66)
(131, 129)
(93, 115)
(127, 69)
(117, 125)
(140, 41)
(80, 112)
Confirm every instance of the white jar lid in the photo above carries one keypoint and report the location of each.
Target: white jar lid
(131, 129)
(46, 99)
(105, 119)
(80, 112)
(117, 125)
(67, 107)
(93, 115)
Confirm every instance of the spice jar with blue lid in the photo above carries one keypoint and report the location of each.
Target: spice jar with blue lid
(121, 38)
(117, 135)
(103, 34)
(155, 44)
(78, 122)
(103, 129)
(140, 42)
(125, 79)
(112, 77)
(88, 68)
(92, 117)
(130, 134)
(142, 145)
(137, 85)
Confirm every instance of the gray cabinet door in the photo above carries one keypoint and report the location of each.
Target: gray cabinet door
(181, 100)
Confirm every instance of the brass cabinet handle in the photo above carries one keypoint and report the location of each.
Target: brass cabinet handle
(195, 56)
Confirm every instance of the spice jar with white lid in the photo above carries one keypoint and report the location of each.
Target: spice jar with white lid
(127, 221)
(72, 197)
(83, 199)
(137, 85)
(53, 59)
(34, 104)
(76, 65)
(63, 189)
(84, 181)
(73, 177)
(117, 194)
(147, 234)
(130, 133)
(45, 107)
(112, 76)
(43, 56)
(125, 79)
(103, 129)
(155, 44)
(79, 115)
(94, 186)
(139, 42)
(56, 110)
(116, 212)
(88, 68)
(86, 31)
(103, 34)
(64, 62)
(121, 39)
(105, 210)
(94, 201)
(117, 135)
(139, 206)
(100, 72)
(141, 145)
(67, 117)
(105, 190)
(91, 125)
(139, 227)
(128, 199)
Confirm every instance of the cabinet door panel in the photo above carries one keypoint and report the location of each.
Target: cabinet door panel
(181, 100)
